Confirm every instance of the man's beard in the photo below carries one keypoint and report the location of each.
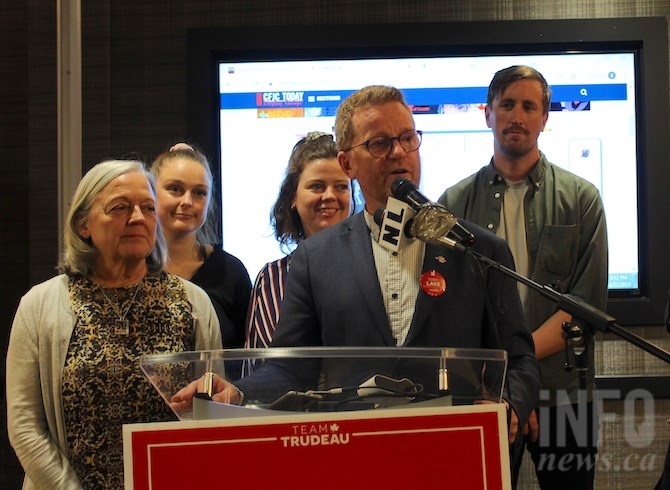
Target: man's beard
(516, 148)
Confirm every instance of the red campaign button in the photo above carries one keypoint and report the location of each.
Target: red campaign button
(433, 283)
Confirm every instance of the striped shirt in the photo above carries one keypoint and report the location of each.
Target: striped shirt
(264, 305)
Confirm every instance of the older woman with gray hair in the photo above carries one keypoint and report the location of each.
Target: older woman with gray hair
(73, 376)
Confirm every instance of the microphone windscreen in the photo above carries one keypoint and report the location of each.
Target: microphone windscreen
(400, 188)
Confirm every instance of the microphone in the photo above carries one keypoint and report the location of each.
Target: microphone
(433, 222)
(394, 231)
(394, 222)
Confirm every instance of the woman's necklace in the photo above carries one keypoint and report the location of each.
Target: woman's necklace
(121, 324)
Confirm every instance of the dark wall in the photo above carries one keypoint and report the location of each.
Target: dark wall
(28, 143)
(134, 97)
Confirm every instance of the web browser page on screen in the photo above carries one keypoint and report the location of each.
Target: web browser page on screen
(266, 107)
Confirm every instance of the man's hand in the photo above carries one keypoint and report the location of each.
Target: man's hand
(222, 391)
(532, 427)
(512, 418)
(513, 423)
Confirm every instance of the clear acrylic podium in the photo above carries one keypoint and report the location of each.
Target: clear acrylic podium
(331, 379)
(377, 417)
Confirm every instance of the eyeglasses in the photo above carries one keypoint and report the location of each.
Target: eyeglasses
(126, 210)
(381, 146)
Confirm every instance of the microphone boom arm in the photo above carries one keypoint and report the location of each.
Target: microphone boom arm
(579, 309)
(435, 224)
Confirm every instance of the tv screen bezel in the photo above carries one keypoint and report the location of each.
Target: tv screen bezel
(647, 36)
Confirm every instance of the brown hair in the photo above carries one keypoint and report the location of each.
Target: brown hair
(505, 77)
(285, 219)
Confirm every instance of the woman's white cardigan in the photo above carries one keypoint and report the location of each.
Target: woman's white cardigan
(35, 358)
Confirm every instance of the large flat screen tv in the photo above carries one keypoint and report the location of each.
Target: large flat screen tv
(253, 92)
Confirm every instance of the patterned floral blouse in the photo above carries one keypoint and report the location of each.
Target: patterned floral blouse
(103, 386)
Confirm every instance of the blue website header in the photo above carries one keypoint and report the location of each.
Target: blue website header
(413, 96)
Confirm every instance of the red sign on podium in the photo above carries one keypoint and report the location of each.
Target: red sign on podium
(462, 447)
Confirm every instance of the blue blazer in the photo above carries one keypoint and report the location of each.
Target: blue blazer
(333, 298)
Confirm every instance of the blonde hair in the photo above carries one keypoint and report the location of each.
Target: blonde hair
(367, 96)
(208, 232)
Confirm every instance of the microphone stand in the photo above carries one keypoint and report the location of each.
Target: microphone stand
(435, 224)
(583, 314)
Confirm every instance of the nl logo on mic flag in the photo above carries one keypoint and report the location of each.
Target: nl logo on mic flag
(392, 229)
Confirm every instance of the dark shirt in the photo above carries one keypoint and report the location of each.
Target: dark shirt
(225, 279)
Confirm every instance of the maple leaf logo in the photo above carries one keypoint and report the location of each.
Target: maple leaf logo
(334, 427)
